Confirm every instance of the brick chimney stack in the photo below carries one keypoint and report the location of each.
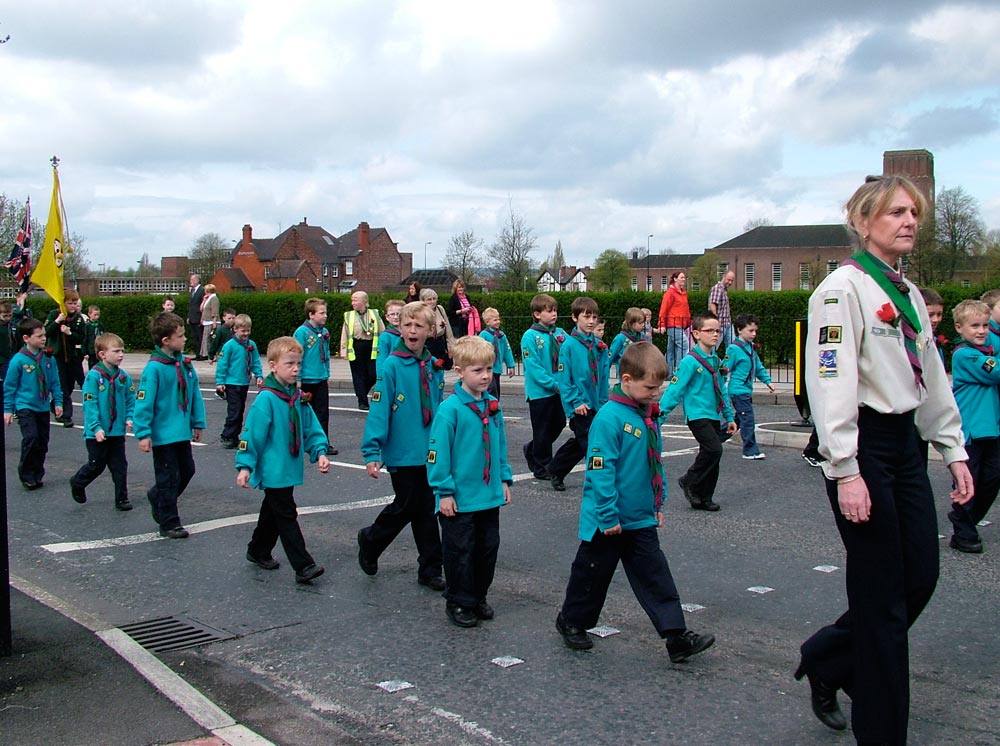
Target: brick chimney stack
(364, 236)
(247, 235)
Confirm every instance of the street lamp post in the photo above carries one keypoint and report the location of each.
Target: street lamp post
(428, 243)
(649, 277)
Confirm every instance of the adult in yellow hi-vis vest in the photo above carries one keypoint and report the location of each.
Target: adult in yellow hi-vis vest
(359, 344)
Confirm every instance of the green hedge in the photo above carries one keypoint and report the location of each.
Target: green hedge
(279, 314)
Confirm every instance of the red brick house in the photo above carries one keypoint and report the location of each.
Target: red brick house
(309, 259)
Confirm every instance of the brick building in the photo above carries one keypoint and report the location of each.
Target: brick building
(309, 259)
(653, 272)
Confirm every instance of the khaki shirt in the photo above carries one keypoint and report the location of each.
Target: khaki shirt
(854, 359)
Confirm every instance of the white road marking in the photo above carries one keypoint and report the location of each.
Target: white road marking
(506, 661)
(473, 729)
(761, 589)
(394, 685)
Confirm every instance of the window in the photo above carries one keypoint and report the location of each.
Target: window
(663, 282)
(267, 271)
(832, 265)
(965, 283)
(723, 267)
(748, 276)
(649, 282)
(335, 270)
(804, 277)
(348, 267)
(635, 283)
(776, 276)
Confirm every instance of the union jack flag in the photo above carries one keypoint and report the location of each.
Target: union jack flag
(19, 262)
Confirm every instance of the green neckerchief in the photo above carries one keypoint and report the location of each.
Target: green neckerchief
(870, 264)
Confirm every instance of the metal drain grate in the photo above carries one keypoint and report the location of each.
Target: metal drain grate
(173, 633)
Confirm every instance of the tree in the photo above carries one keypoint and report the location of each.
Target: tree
(639, 252)
(145, 267)
(11, 218)
(611, 272)
(208, 253)
(464, 256)
(757, 222)
(557, 261)
(958, 229)
(511, 252)
(703, 273)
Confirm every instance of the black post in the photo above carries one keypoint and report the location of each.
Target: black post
(6, 640)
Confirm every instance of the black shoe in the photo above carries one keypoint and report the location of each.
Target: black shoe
(695, 502)
(123, 504)
(30, 485)
(79, 493)
(530, 461)
(435, 584)
(687, 643)
(708, 505)
(460, 616)
(483, 611)
(229, 443)
(174, 533)
(67, 422)
(823, 698)
(308, 573)
(267, 563)
(368, 566)
(543, 476)
(574, 637)
(557, 483)
(363, 405)
(969, 546)
(330, 450)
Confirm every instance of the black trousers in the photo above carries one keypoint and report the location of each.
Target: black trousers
(573, 450)
(279, 519)
(892, 569)
(494, 387)
(547, 422)
(984, 463)
(362, 369)
(413, 504)
(319, 393)
(70, 375)
(173, 468)
(34, 444)
(469, 543)
(236, 404)
(646, 569)
(197, 332)
(702, 476)
(109, 453)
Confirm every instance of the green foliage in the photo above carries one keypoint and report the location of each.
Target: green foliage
(611, 271)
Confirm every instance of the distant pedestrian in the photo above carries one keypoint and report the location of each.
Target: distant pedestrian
(359, 337)
(239, 366)
(503, 356)
(718, 303)
(194, 312)
(675, 320)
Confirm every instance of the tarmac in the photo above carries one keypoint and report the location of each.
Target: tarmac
(74, 679)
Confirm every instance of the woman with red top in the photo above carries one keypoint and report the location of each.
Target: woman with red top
(675, 320)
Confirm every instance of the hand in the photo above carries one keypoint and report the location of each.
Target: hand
(99, 436)
(60, 317)
(260, 381)
(65, 329)
(372, 467)
(59, 411)
(220, 390)
(323, 463)
(128, 425)
(506, 494)
(21, 298)
(964, 490)
(146, 445)
(8, 418)
(770, 388)
(510, 372)
(614, 530)
(731, 428)
(447, 507)
(854, 500)
(243, 478)
(195, 434)
(582, 409)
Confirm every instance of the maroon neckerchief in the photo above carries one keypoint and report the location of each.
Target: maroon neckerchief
(159, 356)
(497, 336)
(323, 334)
(984, 349)
(43, 384)
(111, 378)
(715, 379)
(294, 422)
(248, 349)
(427, 364)
(649, 414)
(555, 342)
(631, 336)
(588, 342)
(490, 408)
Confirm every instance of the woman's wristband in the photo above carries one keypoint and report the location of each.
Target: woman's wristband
(848, 480)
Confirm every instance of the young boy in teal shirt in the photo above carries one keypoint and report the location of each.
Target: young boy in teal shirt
(169, 414)
(975, 381)
(281, 425)
(700, 383)
(94, 329)
(108, 406)
(314, 375)
(622, 506)
(406, 397)
(583, 387)
(471, 478)
(540, 355)
(745, 366)
(238, 366)
(389, 338)
(501, 349)
(221, 334)
(30, 388)
(630, 334)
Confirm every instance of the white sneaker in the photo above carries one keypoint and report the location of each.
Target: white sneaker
(810, 460)
(758, 457)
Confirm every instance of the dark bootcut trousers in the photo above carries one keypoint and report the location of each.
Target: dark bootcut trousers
(743, 408)
(278, 519)
(413, 504)
(70, 374)
(892, 569)
(547, 422)
(362, 369)
(470, 542)
(494, 387)
(646, 569)
(319, 400)
(573, 450)
(703, 474)
(110, 453)
(34, 444)
(984, 463)
(236, 403)
(173, 468)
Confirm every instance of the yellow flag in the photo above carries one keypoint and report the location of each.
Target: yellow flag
(48, 274)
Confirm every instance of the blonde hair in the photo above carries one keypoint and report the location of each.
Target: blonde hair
(362, 293)
(108, 341)
(643, 359)
(243, 322)
(393, 302)
(990, 297)
(633, 316)
(969, 308)
(419, 311)
(281, 346)
(473, 351)
(490, 313)
(872, 199)
(210, 288)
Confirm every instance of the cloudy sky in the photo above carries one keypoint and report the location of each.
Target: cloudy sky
(599, 122)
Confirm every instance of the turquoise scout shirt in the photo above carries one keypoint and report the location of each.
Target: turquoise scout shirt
(975, 377)
(692, 384)
(315, 343)
(21, 388)
(575, 384)
(231, 368)
(539, 378)
(501, 348)
(97, 397)
(741, 377)
(158, 411)
(387, 342)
